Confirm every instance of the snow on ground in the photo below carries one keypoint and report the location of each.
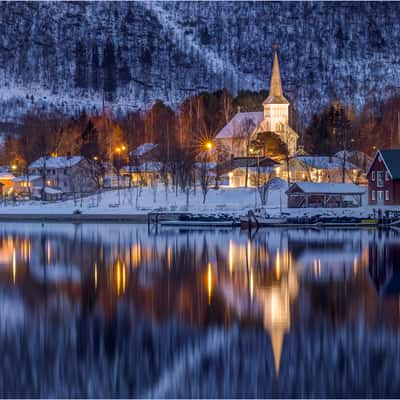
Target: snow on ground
(127, 201)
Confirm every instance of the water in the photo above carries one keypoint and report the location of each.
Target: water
(108, 310)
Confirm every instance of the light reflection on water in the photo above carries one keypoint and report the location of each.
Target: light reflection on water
(280, 281)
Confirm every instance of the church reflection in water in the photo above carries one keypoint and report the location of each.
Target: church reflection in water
(278, 280)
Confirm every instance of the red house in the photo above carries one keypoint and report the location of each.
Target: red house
(384, 178)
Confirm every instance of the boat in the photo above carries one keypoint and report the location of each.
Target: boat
(197, 224)
(202, 220)
(258, 219)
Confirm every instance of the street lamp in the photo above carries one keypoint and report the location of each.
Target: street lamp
(208, 145)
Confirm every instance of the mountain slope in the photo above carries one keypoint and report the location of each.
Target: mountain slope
(62, 55)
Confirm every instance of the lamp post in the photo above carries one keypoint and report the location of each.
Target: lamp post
(205, 168)
(117, 164)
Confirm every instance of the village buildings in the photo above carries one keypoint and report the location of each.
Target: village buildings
(54, 177)
(384, 178)
(324, 195)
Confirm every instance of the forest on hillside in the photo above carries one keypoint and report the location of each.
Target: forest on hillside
(182, 132)
(67, 57)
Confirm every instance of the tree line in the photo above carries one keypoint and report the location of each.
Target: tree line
(182, 132)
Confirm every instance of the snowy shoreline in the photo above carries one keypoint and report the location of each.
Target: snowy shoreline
(128, 206)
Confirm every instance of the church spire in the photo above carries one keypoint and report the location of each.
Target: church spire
(275, 87)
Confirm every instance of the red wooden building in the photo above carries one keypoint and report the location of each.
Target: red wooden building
(384, 178)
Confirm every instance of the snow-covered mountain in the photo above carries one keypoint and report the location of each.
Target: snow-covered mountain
(61, 55)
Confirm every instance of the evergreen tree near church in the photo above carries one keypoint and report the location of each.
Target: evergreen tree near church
(90, 141)
(329, 132)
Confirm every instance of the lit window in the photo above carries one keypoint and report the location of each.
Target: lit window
(387, 195)
(373, 195)
(373, 176)
(49, 182)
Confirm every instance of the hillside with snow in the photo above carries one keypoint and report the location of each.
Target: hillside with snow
(64, 55)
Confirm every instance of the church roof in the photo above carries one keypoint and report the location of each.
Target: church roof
(241, 125)
(275, 87)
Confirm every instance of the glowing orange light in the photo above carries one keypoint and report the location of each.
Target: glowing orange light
(209, 145)
(209, 282)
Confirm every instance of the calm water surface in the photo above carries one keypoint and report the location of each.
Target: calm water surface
(111, 310)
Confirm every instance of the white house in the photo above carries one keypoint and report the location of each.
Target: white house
(66, 174)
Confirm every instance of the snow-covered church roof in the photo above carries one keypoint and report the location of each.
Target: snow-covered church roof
(241, 125)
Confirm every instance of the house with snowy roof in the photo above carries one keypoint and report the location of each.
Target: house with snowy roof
(147, 173)
(145, 152)
(323, 169)
(245, 128)
(65, 174)
(384, 178)
(323, 195)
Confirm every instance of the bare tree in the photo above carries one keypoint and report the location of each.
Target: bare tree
(205, 177)
(245, 131)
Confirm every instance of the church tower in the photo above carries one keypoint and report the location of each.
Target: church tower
(276, 106)
(276, 111)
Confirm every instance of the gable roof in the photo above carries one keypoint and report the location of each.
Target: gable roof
(391, 159)
(327, 188)
(6, 176)
(56, 162)
(241, 125)
(247, 162)
(143, 149)
(325, 162)
(24, 178)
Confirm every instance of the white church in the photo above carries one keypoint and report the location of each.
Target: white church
(236, 136)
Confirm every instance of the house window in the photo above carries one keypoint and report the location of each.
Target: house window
(373, 195)
(380, 178)
(387, 195)
(373, 176)
(380, 195)
(387, 177)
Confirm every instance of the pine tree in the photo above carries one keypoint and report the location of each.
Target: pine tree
(109, 68)
(95, 67)
(81, 62)
(90, 141)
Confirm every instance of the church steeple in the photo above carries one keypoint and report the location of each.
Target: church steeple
(275, 87)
